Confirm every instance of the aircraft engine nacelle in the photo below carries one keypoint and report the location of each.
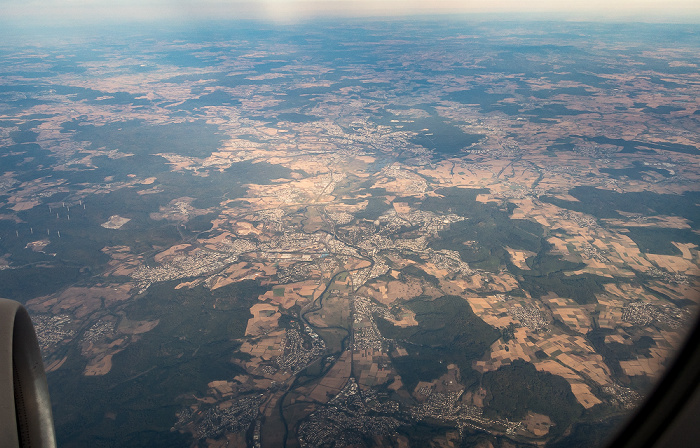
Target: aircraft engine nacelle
(25, 406)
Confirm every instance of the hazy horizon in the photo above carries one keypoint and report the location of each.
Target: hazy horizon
(81, 12)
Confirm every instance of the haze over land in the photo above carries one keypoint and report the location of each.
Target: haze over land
(360, 233)
(288, 11)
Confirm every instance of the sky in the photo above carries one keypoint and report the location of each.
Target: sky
(82, 11)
